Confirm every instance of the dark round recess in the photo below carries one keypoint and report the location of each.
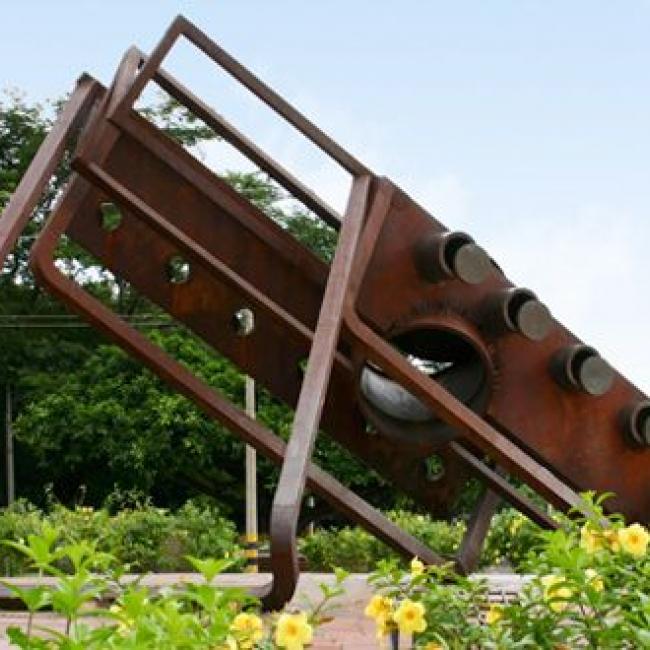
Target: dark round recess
(447, 357)
(178, 270)
(637, 424)
(111, 216)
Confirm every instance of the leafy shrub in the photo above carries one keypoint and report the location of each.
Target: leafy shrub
(144, 538)
(359, 551)
(188, 616)
(511, 538)
(590, 589)
(17, 522)
(204, 532)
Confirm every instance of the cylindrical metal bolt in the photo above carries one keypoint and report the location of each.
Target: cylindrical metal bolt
(443, 255)
(522, 312)
(581, 367)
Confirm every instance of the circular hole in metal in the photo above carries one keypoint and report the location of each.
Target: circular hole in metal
(243, 322)
(643, 425)
(111, 216)
(178, 270)
(579, 358)
(449, 358)
(444, 355)
(638, 424)
(434, 467)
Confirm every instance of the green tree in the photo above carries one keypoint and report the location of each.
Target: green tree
(85, 405)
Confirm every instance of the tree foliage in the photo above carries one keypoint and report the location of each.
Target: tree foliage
(89, 414)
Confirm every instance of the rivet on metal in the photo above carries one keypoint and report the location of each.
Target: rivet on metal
(243, 322)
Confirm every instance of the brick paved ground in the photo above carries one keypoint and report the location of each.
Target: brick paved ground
(349, 631)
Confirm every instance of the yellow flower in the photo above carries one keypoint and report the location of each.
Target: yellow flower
(417, 567)
(379, 608)
(555, 594)
(432, 645)
(594, 579)
(634, 540)
(494, 614)
(516, 525)
(611, 537)
(384, 627)
(293, 631)
(248, 628)
(125, 623)
(590, 540)
(409, 617)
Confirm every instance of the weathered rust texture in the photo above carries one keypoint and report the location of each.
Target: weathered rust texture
(510, 391)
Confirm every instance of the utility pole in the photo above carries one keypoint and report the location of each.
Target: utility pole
(251, 487)
(9, 442)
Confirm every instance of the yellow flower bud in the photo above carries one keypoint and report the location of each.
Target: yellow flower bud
(417, 567)
(594, 579)
(494, 614)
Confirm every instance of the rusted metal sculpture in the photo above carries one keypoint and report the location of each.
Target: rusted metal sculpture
(417, 343)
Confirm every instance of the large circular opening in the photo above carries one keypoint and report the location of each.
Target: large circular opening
(447, 357)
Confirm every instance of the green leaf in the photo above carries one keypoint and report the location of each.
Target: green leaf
(209, 568)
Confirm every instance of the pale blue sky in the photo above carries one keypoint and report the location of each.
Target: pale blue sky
(525, 123)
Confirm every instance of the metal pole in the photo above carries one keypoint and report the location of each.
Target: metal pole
(251, 487)
(11, 488)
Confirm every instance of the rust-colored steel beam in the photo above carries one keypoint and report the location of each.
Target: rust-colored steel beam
(291, 486)
(42, 259)
(25, 199)
(418, 347)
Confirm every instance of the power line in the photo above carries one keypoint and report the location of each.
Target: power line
(68, 321)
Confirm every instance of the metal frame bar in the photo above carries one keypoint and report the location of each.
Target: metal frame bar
(291, 486)
(443, 403)
(369, 196)
(122, 112)
(30, 189)
(194, 251)
(21, 206)
(215, 406)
